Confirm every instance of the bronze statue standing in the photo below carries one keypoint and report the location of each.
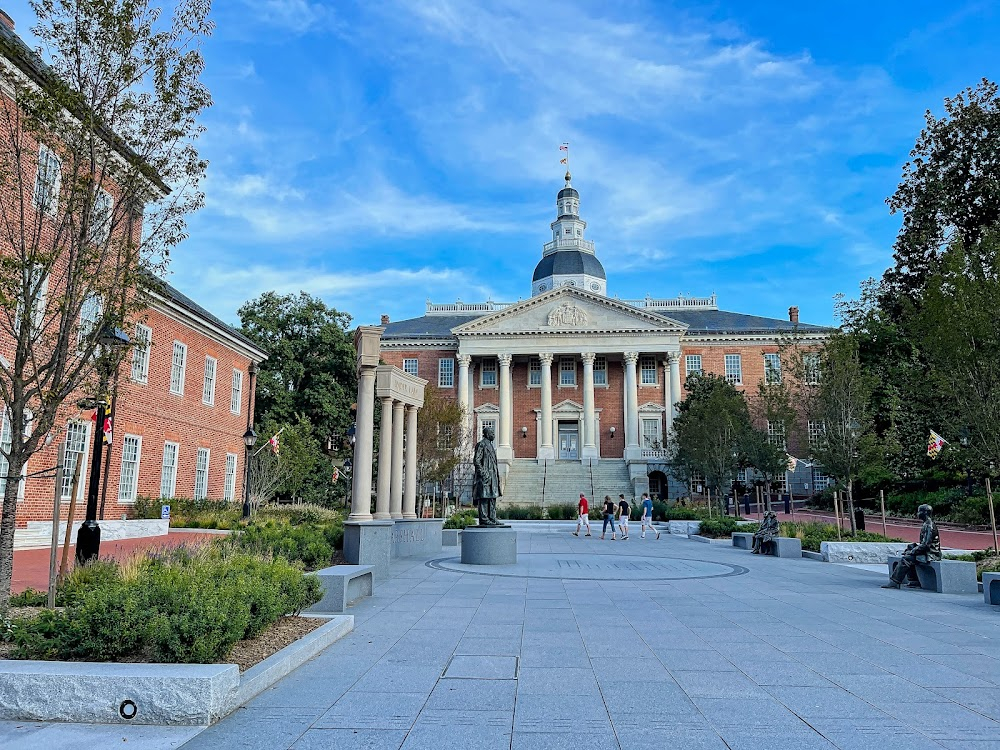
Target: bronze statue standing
(486, 485)
(924, 551)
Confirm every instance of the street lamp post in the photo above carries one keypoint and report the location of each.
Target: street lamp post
(964, 440)
(249, 438)
(88, 537)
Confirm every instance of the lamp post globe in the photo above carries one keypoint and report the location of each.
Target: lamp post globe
(249, 438)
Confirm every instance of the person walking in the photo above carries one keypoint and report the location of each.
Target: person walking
(609, 517)
(584, 517)
(624, 509)
(647, 516)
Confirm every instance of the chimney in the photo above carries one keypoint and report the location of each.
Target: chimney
(793, 314)
(385, 319)
(6, 21)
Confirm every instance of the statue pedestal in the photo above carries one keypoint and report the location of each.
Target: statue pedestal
(489, 545)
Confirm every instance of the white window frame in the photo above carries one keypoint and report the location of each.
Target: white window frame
(692, 365)
(567, 372)
(100, 217)
(600, 370)
(208, 386)
(411, 366)
(488, 367)
(820, 481)
(6, 444)
(734, 368)
(446, 372)
(647, 370)
(772, 369)
(534, 372)
(140, 354)
(169, 482)
(127, 492)
(444, 435)
(776, 433)
(811, 363)
(229, 489)
(201, 474)
(648, 437)
(178, 369)
(81, 455)
(49, 201)
(91, 310)
(38, 302)
(236, 396)
(816, 431)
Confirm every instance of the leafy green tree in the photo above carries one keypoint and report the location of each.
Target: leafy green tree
(773, 417)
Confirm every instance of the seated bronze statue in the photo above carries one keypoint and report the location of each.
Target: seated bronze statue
(764, 536)
(928, 549)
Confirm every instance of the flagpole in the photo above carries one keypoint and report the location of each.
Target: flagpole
(268, 443)
(993, 518)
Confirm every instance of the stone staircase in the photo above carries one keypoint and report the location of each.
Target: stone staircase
(563, 481)
(34, 538)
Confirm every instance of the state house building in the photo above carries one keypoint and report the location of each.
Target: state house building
(581, 387)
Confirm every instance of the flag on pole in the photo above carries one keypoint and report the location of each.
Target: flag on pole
(107, 427)
(564, 147)
(564, 161)
(792, 463)
(336, 474)
(273, 442)
(934, 444)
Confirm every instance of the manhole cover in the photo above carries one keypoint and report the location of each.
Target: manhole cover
(591, 567)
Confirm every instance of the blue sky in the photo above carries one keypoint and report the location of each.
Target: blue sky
(377, 154)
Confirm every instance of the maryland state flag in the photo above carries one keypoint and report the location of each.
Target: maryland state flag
(934, 444)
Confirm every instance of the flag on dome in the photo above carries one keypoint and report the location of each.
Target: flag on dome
(564, 161)
(934, 444)
(273, 442)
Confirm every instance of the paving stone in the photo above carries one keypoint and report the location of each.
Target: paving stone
(474, 695)
(358, 710)
(350, 739)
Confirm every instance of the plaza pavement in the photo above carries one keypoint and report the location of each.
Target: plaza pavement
(628, 644)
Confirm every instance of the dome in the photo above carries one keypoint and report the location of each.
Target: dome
(568, 192)
(568, 263)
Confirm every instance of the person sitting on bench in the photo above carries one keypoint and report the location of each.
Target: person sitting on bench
(926, 550)
(764, 536)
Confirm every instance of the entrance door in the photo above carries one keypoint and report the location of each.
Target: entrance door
(569, 434)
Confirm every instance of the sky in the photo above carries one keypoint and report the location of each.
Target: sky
(378, 154)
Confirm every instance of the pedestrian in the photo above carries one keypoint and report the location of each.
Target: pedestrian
(647, 516)
(609, 517)
(624, 509)
(584, 517)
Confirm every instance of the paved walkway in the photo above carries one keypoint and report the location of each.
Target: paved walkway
(634, 644)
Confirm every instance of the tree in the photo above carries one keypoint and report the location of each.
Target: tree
(439, 434)
(709, 431)
(98, 169)
(950, 189)
(773, 416)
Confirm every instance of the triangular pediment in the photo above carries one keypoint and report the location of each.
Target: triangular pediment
(568, 405)
(568, 310)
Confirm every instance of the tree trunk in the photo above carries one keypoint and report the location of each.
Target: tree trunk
(16, 464)
(850, 506)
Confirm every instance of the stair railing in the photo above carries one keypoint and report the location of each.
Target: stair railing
(545, 469)
(592, 491)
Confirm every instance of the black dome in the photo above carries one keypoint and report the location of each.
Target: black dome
(567, 263)
(566, 192)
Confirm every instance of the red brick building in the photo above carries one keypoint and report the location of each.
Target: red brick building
(582, 387)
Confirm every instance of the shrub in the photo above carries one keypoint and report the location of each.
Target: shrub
(191, 514)
(311, 544)
(29, 598)
(718, 527)
(562, 511)
(521, 512)
(813, 534)
(463, 518)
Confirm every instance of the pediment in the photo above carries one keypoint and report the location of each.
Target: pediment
(568, 405)
(652, 407)
(487, 409)
(569, 311)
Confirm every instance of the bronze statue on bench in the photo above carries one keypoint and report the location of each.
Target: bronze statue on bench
(928, 549)
(764, 537)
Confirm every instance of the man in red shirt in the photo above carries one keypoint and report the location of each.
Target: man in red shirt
(584, 516)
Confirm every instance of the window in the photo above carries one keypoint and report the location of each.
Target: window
(535, 372)
(90, 315)
(491, 423)
(444, 433)
(446, 373)
(743, 477)
(237, 398)
(651, 433)
(772, 369)
(817, 432)
(488, 373)
(128, 482)
(37, 283)
(201, 474)
(6, 441)
(776, 434)
(647, 370)
(208, 388)
(820, 480)
(567, 371)
(229, 491)
(778, 484)
(140, 354)
(177, 367)
(692, 364)
(168, 472)
(410, 366)
(76, 451)
(47, 180)
(734, 369)
(811, 365)
(601, 370)
(100, 217)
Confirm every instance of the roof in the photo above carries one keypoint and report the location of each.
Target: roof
(568, 262)
(567, 191)
(14, 49)
(699, 322)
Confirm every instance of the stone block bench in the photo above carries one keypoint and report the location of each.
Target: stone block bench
(944, 576)
(991, 588)
(343, 585)
(450, 537)
(784, 546)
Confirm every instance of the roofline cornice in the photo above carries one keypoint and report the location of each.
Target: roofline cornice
(205, 327)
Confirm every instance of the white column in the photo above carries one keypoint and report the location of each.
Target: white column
(589, 436)
(631, 406)
(396, 485)
(361, 502)
(463, 385)
(504, 447)
(675, 386)
(667, 400)
(384, 462)
(410, 489)
(547, 450)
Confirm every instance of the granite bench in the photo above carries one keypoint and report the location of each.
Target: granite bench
(343, 585)
(450, 537)
(944, 576)
(784, 546)
(742, 540)
(991, 588)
